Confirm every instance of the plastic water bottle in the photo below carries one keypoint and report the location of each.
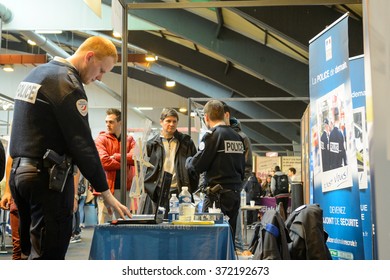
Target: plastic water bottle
(200, 204)
(174, 204)
(243, 197)
(173, 213)
(185, 205)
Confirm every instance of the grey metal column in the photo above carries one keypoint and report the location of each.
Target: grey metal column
(124, 106)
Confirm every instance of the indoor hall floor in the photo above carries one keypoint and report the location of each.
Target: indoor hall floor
(80, 251)
(76, 251)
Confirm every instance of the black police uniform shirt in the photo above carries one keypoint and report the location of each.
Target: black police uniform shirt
(325, 153)
(338, 157)
(51, 112)
(221, 156)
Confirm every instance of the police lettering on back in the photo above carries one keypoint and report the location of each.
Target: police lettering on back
(27, 92)
(232, 147)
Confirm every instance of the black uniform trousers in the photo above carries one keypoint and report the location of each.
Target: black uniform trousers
(229, 203)
(45, 215)
(284, 200)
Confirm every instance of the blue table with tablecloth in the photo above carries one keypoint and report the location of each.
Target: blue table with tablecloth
(162, 242)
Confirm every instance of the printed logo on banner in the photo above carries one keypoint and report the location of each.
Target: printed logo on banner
(328, 48)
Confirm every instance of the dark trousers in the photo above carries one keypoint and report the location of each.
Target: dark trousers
(252, 216)
(45, 215)
(76, 222)
(284, 200)
(14, 222)
(229, 202)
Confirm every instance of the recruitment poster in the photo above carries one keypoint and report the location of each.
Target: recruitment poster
(335, 175)
(361, 142)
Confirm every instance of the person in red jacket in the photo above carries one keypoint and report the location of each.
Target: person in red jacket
(108, 145)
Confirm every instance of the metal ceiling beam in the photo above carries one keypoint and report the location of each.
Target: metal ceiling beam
(289, 21)
(220, 20)
(252, 15)
(227, 4)
(54, 50)
(266, 151)
(159, 82)
(181, 91)
(273, 144)
(184, 91)
(262, 99)
(269, 120)
(235, 79)
(217, 91)
(204, 87)
(45, 44)
(292, 77)
(256, 136)
(23, 58)
(211, 90)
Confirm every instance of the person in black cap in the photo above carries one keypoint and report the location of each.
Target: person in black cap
(337, 153)
(325, 154)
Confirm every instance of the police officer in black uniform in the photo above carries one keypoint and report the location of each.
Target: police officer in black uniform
(221, 157)
(51, 112)
(325, 153)
(338, 155)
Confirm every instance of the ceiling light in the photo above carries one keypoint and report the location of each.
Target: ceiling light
(31, 42)
(8, 68)
(48, 31)
(182, 110)
(193, 114)
(145, 108)
(151, 57)
(271, 154)
(116, 34)
(7, 106)
(170, 83)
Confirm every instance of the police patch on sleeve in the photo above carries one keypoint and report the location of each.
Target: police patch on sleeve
(27, 92)
(82, 106)
(201, 146)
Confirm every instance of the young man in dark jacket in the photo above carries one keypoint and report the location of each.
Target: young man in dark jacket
(168, 151)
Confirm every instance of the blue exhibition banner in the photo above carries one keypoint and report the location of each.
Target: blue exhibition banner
(334, 170)
(356, 70)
